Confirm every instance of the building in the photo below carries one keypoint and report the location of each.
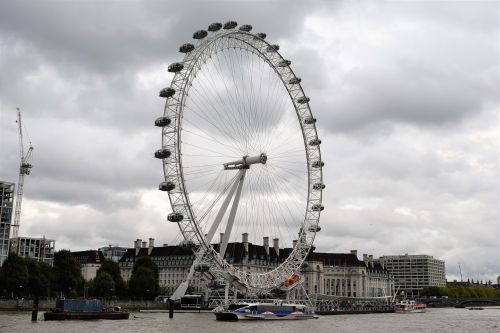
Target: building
(114, 253)
(414, 272)
(41, 249)
(90, 261)
(324, 273)
(6, 208)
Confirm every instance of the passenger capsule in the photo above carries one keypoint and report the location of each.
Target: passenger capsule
(162, 121)
(216, 26)
(162, 153)
(200, 34)
(246, 27)
(284, 63)
(309, 121)
(294, 80)
(273, 48)
(201, 268)
(167, 92)
(315, 142)
(186, 48)
(313, 248)
(166, 186)
(175, 217)
(230, 25)
(175, 67)
(319, 186)
(303, 100)
(314, 228)
(187, 243)
(261, 35)
(317, 207)
(318, 164)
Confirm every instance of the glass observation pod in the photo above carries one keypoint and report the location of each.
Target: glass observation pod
(319, 186)
(317, 207)
(162, 153)
(318, 164)
(200, 34)
(273, 48)
(216, 26)
(303, 100)
(230, 25)
(309, 121)
(167, 92)
(314, 228)
(294, 80)
(315, 142)
(162, 121)
(261, 35)
(284, 63)
(175, 217)
(246, 27)
(166, 186)
(175, 67)
(186, 48)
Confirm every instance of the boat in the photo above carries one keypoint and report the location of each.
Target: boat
(68, 309)
(407, 306)
(265, 311)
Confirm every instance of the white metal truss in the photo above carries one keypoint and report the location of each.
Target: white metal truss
(173, 167)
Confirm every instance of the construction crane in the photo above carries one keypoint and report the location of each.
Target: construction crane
(24, 169)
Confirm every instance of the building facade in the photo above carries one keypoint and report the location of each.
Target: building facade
(6, 208)
(324, 273)
(90, 261)
(40, 249)
(414, 272)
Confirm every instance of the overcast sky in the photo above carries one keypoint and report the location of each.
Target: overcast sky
(406, 94)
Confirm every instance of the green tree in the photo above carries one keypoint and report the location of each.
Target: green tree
(143, 283)
(67, 273)
(104, 286)
(145, 262)
(15, 275)
(38, 283)
(113, 270)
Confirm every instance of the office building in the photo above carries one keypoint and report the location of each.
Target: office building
(6, 207)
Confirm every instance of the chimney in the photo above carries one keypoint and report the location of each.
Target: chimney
(151, 245)
(370, 260)
(144, 244)
(165, 244)
(221, 238)
(137, 245)
(266, 244)
(276, 245)
(355, 252)
(244, 239)
(295, 242)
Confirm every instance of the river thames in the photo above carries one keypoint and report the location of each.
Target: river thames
(434, 320)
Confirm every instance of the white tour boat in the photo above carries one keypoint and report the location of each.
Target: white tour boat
(265, 311)
(407, 306)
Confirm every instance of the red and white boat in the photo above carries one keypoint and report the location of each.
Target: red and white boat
(407, 306)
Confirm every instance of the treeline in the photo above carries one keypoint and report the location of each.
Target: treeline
(461, 292)
(28, 278)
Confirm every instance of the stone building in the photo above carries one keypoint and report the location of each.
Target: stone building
(90, 261)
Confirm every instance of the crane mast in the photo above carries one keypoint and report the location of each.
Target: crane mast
(24, 169)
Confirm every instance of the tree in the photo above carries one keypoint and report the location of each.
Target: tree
(38, 283)
(67, 273)
(146, 262)
(143, 283)
(15, 275)
(104, 286)
(113, 270)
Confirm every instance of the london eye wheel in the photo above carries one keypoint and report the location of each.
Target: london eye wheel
(241, 157)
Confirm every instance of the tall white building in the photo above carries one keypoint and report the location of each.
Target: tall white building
(414, 272)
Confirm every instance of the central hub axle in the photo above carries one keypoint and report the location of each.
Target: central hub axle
(245, 162)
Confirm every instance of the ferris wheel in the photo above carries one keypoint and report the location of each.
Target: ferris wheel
(241, 156)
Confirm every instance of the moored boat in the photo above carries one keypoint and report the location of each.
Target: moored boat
(68, 309)
(407, 306)
(265, 311)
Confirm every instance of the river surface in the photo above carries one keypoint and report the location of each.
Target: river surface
(434, 320)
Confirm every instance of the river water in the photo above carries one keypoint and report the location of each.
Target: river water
(434, 320)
